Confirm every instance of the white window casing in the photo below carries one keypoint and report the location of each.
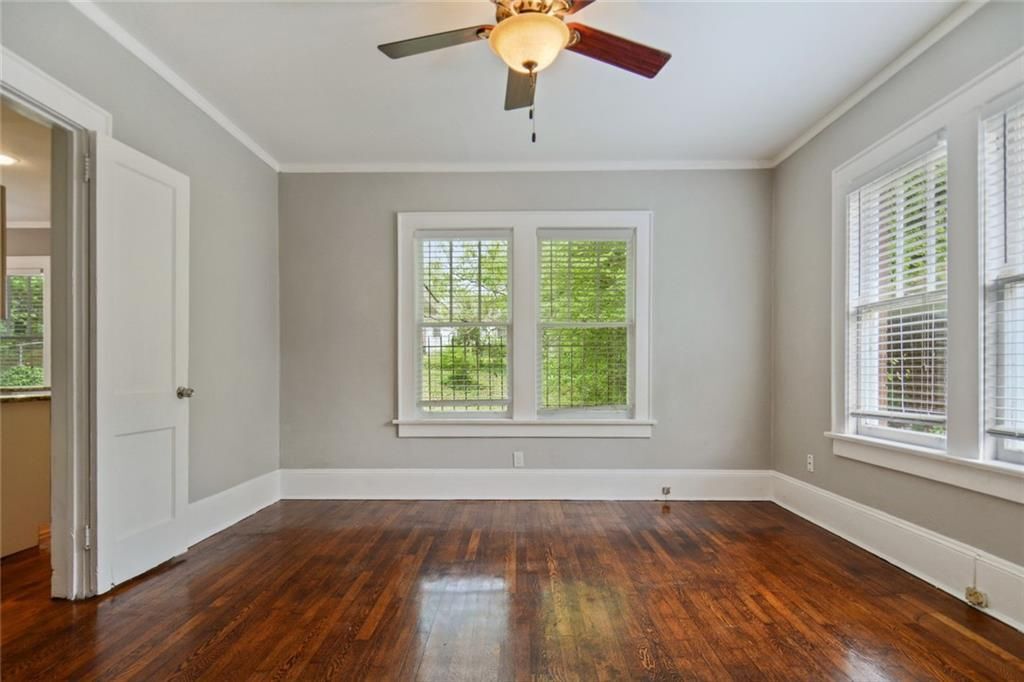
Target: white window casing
(466, 371)
(942, 440)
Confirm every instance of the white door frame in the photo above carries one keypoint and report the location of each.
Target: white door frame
(72, 484)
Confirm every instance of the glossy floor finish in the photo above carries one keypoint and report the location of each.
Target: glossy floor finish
(509, 590)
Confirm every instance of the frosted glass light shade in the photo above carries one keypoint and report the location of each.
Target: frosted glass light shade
(530, 38)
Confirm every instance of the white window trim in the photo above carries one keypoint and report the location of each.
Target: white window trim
(965, 462)
(34, 265)
(524, 420)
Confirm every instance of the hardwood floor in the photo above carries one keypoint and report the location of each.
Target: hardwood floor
(508, 590)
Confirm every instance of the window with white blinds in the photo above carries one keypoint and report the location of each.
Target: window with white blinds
(585, 324)
(1002, 192)
(24, 334)
(897, 301)
(524, 324)
(463, 324)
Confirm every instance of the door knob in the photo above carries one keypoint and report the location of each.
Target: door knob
(185, 392)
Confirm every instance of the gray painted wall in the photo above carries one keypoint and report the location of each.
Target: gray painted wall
(234, 362)
(711, 316)
(802, 243)
(33, 241)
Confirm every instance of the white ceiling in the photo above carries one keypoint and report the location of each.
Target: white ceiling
(306, 82)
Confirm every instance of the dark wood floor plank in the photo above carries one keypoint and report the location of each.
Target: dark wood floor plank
(507, 591)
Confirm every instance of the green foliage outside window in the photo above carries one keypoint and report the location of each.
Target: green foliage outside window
(464, 312)
(21, 334)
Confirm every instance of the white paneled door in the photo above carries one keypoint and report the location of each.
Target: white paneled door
(141, 371)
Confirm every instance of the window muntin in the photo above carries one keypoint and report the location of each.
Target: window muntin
(1002, 199)
(23, 335)
(585, 325)
(464, 324)
(897, 226)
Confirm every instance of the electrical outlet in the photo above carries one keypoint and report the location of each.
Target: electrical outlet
(810, 463)
(976, 597)
(666, 490)
(517, 459)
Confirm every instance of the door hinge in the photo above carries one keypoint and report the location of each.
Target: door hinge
(88, 538)
(86, 168)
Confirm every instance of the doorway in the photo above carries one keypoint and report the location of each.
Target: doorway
(45, 509)
(26, 147)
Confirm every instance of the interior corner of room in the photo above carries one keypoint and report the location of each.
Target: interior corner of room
(384, 362)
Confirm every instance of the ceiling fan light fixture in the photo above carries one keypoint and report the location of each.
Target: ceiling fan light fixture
(529, 42)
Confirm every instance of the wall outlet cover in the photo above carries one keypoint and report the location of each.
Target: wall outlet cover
(518, 460)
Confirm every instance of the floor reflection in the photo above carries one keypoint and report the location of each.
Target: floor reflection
(463, 624)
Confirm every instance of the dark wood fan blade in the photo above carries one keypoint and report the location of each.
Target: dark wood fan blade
(435, 41)
(617, 51)
(519, 90)
(577, 5)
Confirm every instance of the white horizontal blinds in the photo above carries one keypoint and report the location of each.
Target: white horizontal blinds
(21, 334)
(1003, 209)
(463, 313)
(585, 324)
(897, 289)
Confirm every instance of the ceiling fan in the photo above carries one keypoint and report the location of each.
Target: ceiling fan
(529, 35)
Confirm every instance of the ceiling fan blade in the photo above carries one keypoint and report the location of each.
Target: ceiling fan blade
(625, 54)
(435, 41)
(519, 90)
(577, 5)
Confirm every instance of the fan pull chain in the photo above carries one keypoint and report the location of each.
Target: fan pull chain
(533, 117)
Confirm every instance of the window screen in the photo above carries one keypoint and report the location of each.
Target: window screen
(21, 334)
(464, 324)
(1002, 189)
(585, 324)
(897, 289)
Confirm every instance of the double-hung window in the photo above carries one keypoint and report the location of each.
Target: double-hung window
(524, 324)
(25, 333)
(928, 293)
(463, 316)
(585, 323)
(1002, 191)
(897, 301)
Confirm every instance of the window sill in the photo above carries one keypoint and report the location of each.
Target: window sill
(540, 428)
(24, 395)
(997, 479)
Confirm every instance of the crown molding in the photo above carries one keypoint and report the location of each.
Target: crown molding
(524, 167)
(103, 20)
(937, 33)
(93, 12)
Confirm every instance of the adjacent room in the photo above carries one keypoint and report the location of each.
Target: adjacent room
(512, 340)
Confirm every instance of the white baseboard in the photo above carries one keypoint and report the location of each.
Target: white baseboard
(215, 513)
(524, 484)
(948, 564)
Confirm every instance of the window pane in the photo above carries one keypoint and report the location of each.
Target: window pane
(464, 280)
(464, 369)
(1003, 210)
(898, 253)
(584, 367)
(585, 324)
(21, 335)
(463, 290)
(901, 356)
(583, 281)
